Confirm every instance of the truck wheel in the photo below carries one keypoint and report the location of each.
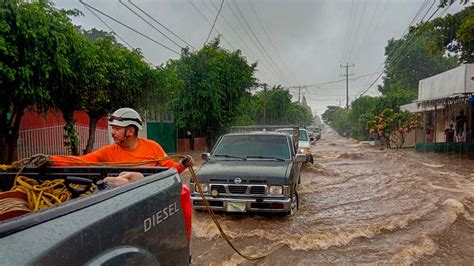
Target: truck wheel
(294, 203)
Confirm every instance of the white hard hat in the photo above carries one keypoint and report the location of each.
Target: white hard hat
(124, 117)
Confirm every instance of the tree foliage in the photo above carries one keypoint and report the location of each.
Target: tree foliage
(48, 63)
(393, 125)
(428, 49)
(214, 81)
(273, 107)
(33, 47)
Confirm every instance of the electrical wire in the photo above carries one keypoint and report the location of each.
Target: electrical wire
(357, 31)
(130, 28)
(250, 50)
(156, 21)
(151, 25)
(258, 41)
(293, 76)
(210, 24)
(271, 67)
(400, 51)
(114, 33)
(214, 23)
(349, 24)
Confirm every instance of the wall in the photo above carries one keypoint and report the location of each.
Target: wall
(199, 145)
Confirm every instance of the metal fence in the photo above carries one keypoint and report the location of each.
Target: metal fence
(50, 140)
(242, 129)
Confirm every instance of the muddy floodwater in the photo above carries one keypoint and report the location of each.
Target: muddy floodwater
(358, 205)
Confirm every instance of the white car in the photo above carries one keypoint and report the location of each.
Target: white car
(304, 144)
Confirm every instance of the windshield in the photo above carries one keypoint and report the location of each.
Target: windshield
(243, 146)
(303, 134)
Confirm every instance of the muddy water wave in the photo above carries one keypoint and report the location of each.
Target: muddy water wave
(359, 205)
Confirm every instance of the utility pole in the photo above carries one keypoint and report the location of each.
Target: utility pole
(347, 82)
(299, 93)
(264, 103)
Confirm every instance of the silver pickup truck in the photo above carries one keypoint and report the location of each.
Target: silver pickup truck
(251, 172)
(147, 222)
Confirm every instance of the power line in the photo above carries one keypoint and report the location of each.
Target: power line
(349, 24)
(110, 28)
(258, 40)
(130, 28)
(152, 18)
(233, 30)
(210, 24)
(400, 51)
(249, 49)
(151, 25)
(364, 39)
(271, 42)
(114, 33)
(271, 67)
(357, 29)
(318, 85)
(213, 24)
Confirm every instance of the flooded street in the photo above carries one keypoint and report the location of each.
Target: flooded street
(358, 204)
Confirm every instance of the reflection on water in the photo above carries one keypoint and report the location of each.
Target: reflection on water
(359, 205)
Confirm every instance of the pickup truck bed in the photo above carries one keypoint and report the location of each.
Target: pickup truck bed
(146, 222)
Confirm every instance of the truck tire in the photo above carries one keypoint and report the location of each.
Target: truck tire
(294, 203)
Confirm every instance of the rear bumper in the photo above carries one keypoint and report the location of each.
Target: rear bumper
(268, 205)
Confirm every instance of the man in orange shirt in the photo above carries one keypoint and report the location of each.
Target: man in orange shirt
(127, 147)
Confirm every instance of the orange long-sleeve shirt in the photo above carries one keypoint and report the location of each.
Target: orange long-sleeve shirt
(145, 150)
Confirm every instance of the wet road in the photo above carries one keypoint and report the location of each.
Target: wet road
(358, 204)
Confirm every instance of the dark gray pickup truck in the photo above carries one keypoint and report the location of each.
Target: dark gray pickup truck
(147, 222)
(251, 172)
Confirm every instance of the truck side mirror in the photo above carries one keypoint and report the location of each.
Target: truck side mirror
(300, 158)
(205, 156)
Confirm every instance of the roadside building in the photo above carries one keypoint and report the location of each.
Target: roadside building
(445, 99)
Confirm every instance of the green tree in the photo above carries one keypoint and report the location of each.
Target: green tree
(214, 82)
(32, 48)
(409, 60)
(393, 125)
(273, 107)
(456, 34)
(331, 114)
(359, 112)
(70, 79)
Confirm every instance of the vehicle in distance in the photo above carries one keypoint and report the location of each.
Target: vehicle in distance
(316, 131)
(146, 222)
(304, 144)
(250, 172)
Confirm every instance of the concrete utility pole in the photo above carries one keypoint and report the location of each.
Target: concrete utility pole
(347, 82)
(264, 103)
(299, 93)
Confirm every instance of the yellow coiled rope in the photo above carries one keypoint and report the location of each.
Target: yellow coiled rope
(46, 194)
(46, 198)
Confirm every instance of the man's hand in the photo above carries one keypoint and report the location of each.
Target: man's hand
(188, 161)
(38, 160)
(124, 178)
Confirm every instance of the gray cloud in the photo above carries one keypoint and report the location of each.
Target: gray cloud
(309, 36)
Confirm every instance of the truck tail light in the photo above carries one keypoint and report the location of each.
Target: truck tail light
(186, 207)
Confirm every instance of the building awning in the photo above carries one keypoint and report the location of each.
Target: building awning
(441, 102)
(459, 80)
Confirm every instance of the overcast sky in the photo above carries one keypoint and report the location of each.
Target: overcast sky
(298, 42)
